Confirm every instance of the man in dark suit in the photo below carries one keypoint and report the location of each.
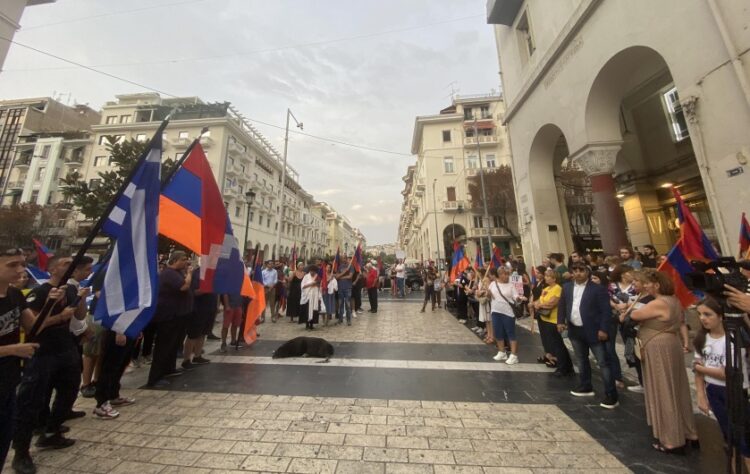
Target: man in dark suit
(585, 312)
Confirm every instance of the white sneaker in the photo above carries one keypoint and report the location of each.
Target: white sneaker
(106, 412)
(512, 360)
(462, 321)
(501, 356)
(636, 388)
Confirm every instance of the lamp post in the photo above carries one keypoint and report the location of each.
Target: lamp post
(283, 176)
(249, 198)
(484, 193)
(437, 234)
(459, 210)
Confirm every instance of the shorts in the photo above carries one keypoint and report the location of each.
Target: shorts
(504, 326)
(93, 347)
(199, 324)
(232, 317)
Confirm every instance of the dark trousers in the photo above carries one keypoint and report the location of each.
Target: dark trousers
(169, 336)
(429, 295)
(62, 372)
(372, 295)
(357, 294)
(147, 343)
(114, 362)
(461, 302)
(614, 360)
(582, 347)
(7, 422)
(553, 343)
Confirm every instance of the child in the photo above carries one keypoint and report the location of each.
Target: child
(709, 363)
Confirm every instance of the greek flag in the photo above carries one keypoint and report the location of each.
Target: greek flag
(128, 297)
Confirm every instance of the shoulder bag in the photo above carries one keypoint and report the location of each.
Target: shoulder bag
(517, 308)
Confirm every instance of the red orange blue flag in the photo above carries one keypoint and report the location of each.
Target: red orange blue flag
(691, 245)
(336, 261)
(744, 237)
(460, 261)
(478, 259)
(497, 257)
(357, 258)
(191, 212)
(258, 302)
(43, 254)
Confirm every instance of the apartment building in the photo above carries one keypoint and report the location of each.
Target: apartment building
(26, 117)
(641, 96)
(340, 233)
(452, 149)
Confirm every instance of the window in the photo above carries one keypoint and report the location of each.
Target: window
(468, 113)
(446, 136)
(45, 151)
(40, 173)
(240, 189)
(675, 115)
(101, 160)
(484, 112)
(252, 216)
(478, 222)
(490, 160)
(472, 162)
(526, 45)
(451, 193)
(242, 169)
(226, 205)
(498, 221)
(124, 118)
(143, 115)
(184, 135)
(448, 164)
(95, 183)
(140, 138)
(237, 211)
(112, 119)
(227, 183)
(34, 196)
(110, 139)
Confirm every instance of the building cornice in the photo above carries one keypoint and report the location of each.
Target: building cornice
(423, 120)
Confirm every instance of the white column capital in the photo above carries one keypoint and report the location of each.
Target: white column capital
(597, 158)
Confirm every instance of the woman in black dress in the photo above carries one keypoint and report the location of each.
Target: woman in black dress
(294, 294)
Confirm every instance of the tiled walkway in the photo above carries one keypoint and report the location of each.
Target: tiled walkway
(404, 392)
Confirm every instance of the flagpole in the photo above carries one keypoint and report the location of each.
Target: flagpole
(97, 227)
(182, 159)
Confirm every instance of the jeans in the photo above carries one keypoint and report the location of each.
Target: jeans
(346, 302)
(581, 347)
(329, 300)
(614, 360)
(7, 423)
(372, 295)
(62, 372)
(114, 362)
(400, 283)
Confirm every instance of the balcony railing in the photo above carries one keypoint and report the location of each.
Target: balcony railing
(16, 184)
(482, 140)
(494, 232)
(453, 205)
(23, 162)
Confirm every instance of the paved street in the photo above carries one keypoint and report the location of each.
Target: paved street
(405, 392)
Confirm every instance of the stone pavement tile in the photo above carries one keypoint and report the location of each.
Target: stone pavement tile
(309, 426)
(296, 450)
(129, 454)
(335, 418)
(360, 467)
(567, 461)
(293, 416)
(470, 433)
(220, 461)
(322, 466)
(170, 442)
(389, 411)
(352, 409)
(406, 404)
(243, 435)
(177, 458)
(513, 470)
(405, 420)
(211, 445)
(266, 463)
(494, 446)
(324, 438)
(431, 456)
(206, 433)
(56, 460)
(370, 419)
(283, 436)
(91, 464)
(606, 460)
(385, 454)
(448, 469)
(428, 431)
(284, 406)
(446, 422)
(347, 428)
(350, 453)
(479, 458)
(414, 442)
(279, 425)
(129, 467)
(253, 447)
(365, 440)
(453, 444)
(371, 402)
(401, 468)
(438, 404)
(389, 430)
(184, 470)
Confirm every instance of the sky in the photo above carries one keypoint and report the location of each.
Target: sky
(352, 71)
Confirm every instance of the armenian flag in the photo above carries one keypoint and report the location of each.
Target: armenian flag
(357, 258)
(497, 257)
(258, 302)
(692, 245)
(44, 254)
(460, 261)
(336, 261)
(478, 259)
(744, 238)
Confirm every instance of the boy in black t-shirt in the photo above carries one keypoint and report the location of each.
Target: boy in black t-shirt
(13, 315)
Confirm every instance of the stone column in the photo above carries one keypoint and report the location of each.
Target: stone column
(598, 162)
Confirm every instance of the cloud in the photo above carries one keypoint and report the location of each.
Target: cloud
(357, 207)
(327, 192)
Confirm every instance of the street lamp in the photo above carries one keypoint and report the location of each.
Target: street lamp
(437, 234)
(283, 176)
(249, 198)
(459, 210)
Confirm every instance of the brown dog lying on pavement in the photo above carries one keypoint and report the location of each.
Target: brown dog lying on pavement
(304, 347)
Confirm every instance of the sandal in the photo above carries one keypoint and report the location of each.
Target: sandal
(660, 447)
(551, 364)
(542, 359)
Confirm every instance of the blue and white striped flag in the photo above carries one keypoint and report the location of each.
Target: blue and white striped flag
(128, 298)
(39, 276)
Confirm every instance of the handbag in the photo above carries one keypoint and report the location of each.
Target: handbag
(517, 308)
(544, 311)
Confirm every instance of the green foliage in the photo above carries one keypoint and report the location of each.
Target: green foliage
(20, 223)
(501, 198)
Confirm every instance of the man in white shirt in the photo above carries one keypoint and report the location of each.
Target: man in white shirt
(270, 278)
(584, 310)
(400, 278)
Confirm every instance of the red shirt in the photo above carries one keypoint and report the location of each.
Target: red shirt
(372, 279)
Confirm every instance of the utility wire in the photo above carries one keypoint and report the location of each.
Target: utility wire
(115, 13)
(266, 50)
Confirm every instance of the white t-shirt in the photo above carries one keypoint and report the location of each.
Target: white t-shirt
(714, 356)
(400, 270)
(575, 312)
(498, 304)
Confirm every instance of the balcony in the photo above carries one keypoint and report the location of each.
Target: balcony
(494, 232)
(16, 184)
(503, 12)
(482, 140)
(23, 162)
(230, 192)
(235, 148)
(231, 169)
(74, 159)
(453, 205)
(65, 206)
(181, 142)
(206, 141)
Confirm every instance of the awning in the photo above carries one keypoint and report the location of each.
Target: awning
(483, 125)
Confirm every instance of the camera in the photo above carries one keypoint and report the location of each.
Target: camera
(710, 278)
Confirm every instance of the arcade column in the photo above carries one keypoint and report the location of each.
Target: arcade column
(598, 162)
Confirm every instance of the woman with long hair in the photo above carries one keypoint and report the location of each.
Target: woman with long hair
(709, 365)
(669, 409)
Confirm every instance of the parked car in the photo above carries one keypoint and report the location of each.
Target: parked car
(414, 279)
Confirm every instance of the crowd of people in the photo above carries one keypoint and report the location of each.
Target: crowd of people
(589, 300)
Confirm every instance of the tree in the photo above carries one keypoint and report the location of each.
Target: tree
(20, 223)
(501, 197)
(579, 202)
(92, 199)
